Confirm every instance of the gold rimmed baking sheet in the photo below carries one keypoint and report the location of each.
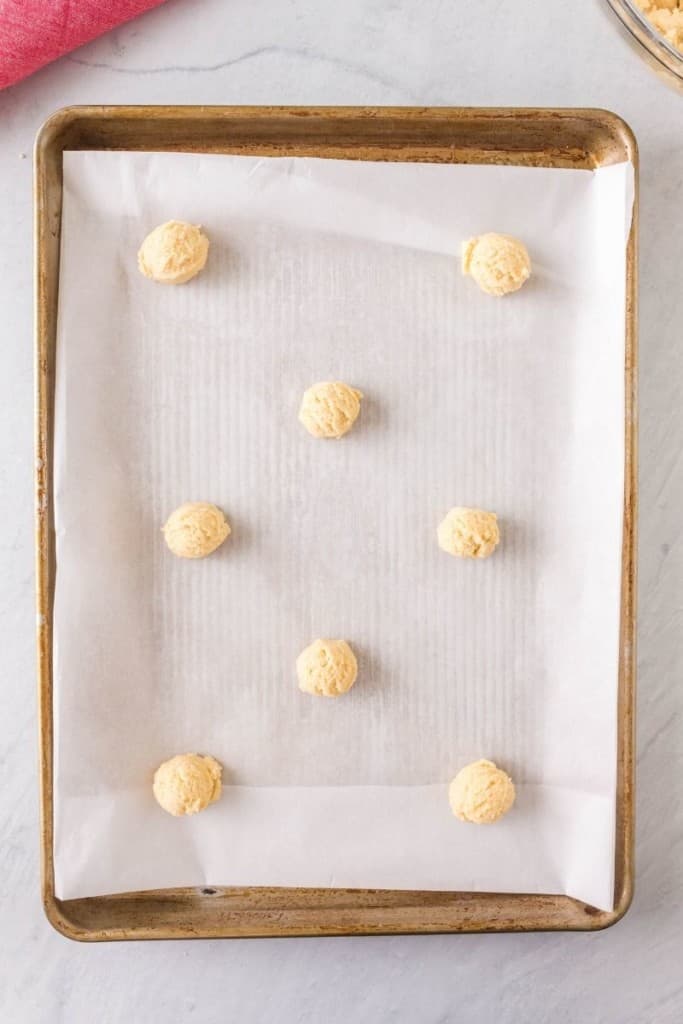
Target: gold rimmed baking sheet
(574, 139)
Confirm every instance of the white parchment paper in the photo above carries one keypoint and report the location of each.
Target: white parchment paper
(338, 270)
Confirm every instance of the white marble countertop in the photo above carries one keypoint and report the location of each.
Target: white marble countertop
(362, 52)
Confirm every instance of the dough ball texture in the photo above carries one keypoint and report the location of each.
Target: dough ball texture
(173, 253)
(187, 783)
(327, 668)
(498, 263)
(481, 793)
(329, 409)
(195, 529)
(469, 532)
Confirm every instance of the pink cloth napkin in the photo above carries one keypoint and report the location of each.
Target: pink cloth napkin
(34, 32)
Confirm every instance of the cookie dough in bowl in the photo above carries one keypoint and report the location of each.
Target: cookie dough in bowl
(187, 783)
(173, 253)
(195, 529)
(667, 17)
(499, 264)
(326, 668)
(469, 532)
(329, 408)
(481, 793)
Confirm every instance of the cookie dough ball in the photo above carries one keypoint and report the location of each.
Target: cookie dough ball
(481, 793)
(187, 783)
(329, 409)
(327, 668)
(469, 532)
(173, 253)
(498, 263)
(195, 529)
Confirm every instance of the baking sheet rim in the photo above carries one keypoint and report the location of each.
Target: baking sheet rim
(381, 134)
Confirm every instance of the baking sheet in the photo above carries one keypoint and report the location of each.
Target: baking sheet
(324, 269)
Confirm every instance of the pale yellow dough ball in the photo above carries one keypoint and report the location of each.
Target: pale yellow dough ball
(173, 253)
(469, 532)
(481, 793)
(498, 263)
(327, 668)
(329, 409)
(187, 783)
(195, 529)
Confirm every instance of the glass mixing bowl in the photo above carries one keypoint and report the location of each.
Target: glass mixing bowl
(652, 45)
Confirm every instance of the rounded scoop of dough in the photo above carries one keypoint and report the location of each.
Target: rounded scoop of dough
(329, 408)
(187, 783)
(327, 668)
(469, 532)
(195, 529)
(481, 793)
(173, 253)
(498, 263)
